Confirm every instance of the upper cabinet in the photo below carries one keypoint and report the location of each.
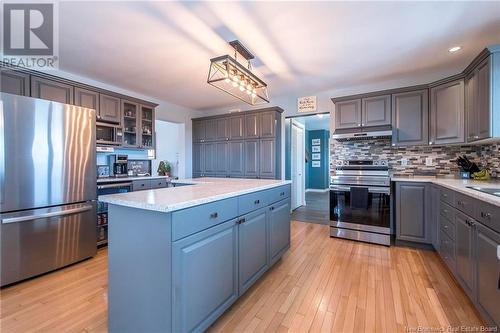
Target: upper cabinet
(376, 111)
(348, 114)
(252, 126)
(410, 118)
(447, 116)
(130, 112)
(267, 124)
(51, 90)
(87, 98)
(198, 131)
(147, 127)
(109, 109)
(15, 82)
(222, 128)
(210, 130)
(236, 130)
(479, 102)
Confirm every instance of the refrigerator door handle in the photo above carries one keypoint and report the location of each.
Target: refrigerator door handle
(2, 154)
(63, 212)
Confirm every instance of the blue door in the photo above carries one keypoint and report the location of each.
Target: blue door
(205, 284)
(253, 248)
(279, 229)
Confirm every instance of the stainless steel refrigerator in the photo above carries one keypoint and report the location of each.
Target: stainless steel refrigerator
(47, 186)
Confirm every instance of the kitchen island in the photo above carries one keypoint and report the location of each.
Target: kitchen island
(180, 256)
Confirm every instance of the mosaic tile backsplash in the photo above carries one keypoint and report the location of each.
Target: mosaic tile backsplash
(486, 156)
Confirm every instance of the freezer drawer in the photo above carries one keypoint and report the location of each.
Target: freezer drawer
(40, 240)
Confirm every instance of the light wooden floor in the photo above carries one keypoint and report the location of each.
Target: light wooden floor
(321, 285)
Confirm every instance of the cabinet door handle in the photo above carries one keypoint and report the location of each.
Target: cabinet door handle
(214, 215)
(256, 202)
(485, 215)
(282, 194)
(460, 203)
(271, 208)
(242, 220)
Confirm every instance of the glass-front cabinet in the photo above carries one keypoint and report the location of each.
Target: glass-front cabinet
(130, 124)
(147, 127)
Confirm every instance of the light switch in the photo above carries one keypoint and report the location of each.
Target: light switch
(428, 161)
(404, 161)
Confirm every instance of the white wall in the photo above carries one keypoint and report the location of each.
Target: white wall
(168, 135)
(165, 111)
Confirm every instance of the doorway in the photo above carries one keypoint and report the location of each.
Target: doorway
(307, 166)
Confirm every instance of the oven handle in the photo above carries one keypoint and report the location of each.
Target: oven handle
(102, 187)
(371, 189)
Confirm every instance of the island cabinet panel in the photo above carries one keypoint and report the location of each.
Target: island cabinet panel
(204, 276)
(253, 248)
(487, 272)
(376, 111)
(463, 250)
(348, 114)
(51, 90)
(447, 117)
(410, 118)
(412, 212)
(279, 229)
(15, 83)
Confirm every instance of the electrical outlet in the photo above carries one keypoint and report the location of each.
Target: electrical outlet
(428, 161)
(404, 161)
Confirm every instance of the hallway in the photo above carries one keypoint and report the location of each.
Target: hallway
(316, 209)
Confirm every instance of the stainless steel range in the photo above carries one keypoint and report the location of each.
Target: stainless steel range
(360, 195)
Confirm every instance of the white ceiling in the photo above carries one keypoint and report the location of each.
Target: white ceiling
(315, 122)
(162, 49)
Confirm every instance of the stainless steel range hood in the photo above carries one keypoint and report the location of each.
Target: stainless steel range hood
(363, 134)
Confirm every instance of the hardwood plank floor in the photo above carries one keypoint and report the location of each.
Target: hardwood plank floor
(316, 209)
(322, 284)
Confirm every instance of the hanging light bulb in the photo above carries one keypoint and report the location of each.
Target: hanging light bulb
(235, 84)
(227, 80)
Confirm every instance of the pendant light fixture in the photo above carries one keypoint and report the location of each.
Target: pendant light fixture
(227, 74)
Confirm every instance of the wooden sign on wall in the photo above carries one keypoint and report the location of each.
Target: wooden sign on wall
(306, 104)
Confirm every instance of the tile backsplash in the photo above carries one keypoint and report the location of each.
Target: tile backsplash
(487, 156)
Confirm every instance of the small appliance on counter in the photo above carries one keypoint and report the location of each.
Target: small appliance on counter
(119, 165)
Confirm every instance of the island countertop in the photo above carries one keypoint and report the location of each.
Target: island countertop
(199, 191)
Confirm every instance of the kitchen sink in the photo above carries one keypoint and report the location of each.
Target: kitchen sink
(489, 190)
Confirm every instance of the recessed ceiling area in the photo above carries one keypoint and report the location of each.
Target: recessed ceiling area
(163, 49)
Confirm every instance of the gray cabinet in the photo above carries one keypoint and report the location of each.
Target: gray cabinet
(13, 82)
(210, 165)
(110, 109)
(487, 273)
(463, 250)
(222, 125)
(204, 276)
(348, 114)
(236, 128)
(198, 159)
(51, 90)
(236, 159)
(252, 158)
(447, 116)
(198, 131)
(252, 126)
(139, 185)
(410, 118)
(147, 127)
(210, 130)
(478, 102)
(267, 122)
(279, 229)
(131, 126)
(267, 160)
(253, 248)
(434, 216)
(87, 98)
(376, 111)
(412, 212)
(222, 158)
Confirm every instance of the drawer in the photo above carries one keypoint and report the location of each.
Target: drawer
(488, 215)
(464, 203)
(195, 219)
(446, 211)
(158, 183)
(447, 249)
(252, 201)
(447, 196)
(447, 226)
(279, 193)
(139, 185)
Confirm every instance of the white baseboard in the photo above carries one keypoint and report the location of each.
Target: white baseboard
(317, 190)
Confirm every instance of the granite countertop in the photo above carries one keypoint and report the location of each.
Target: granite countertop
(459, 185)
(201, 191)
(127, 179)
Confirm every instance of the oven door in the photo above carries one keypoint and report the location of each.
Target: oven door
(375, 218)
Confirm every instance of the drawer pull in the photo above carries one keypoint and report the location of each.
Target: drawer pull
(271, 208)
(445, 211)
(445, 195)
(256, 202)
(240, 221)
(485, 215)
(282, 194)
(446, 227)
(214, 215)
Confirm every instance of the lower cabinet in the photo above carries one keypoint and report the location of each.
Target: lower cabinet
(253, 248)
(463, 250)
(204, 276)
(412, 212)
(279, 229)
(488, 272)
